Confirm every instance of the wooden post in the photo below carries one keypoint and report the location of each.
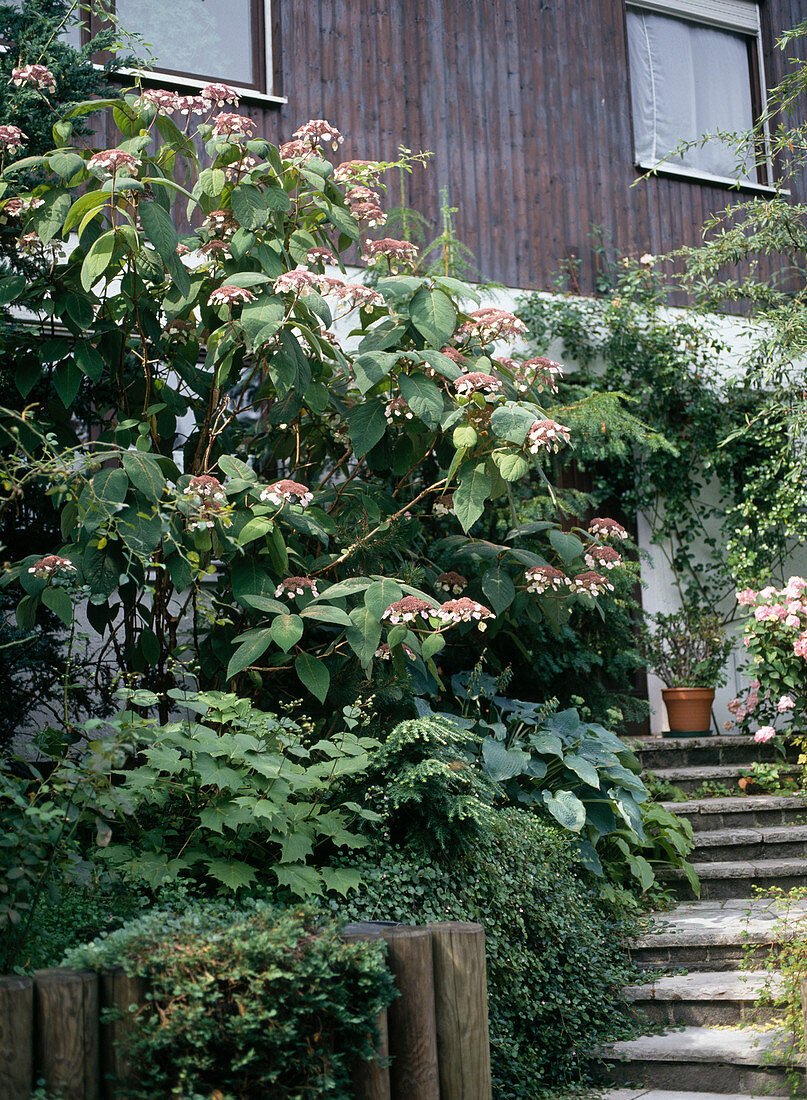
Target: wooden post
(461, 996)
(117, 992)
(412, 1020)
(16, 1037)
(371, 1079)
(66, 1030)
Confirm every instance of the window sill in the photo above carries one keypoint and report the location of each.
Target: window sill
(694, 176)
(195, 84)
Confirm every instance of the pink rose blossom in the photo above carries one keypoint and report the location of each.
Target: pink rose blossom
(764, 733)
(785, 704)
(746, 597)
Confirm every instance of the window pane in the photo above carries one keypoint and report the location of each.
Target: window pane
(208, 38)
(688, 80)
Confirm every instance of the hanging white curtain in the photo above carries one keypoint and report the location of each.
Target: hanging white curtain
(687, 80)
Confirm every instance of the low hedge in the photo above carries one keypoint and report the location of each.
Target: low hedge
(244, 1004)
(556, 954)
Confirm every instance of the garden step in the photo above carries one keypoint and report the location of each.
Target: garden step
(722, 1060)
(710, 997)
(715, 935)
(742, 811)
(737, 878)
(667, 1094)
(774, 841)
(690, 779)
(673, 752)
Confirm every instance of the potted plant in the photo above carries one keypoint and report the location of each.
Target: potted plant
(688, 652)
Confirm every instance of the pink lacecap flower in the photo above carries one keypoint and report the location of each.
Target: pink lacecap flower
(785, 704)
(547, 435)
(296, 586)
(477, 382)
(230, 295)
(51, 563)
(319, 130)
(11, 138)
(396, 253)
(38, 76)
(368, 213)
(360, 194)
(299, 150)
(605, 528)
(360, 171)
(115, 160)
(464, 610)
(287, 491)
(764, 733)
(602, 557)
(408, 609)
(545, 578)
(539, 372)
(227, 124)
(205, 485)
(218, 95)
(746, 597)
(591, 584)
(163, 102)
(489, 324)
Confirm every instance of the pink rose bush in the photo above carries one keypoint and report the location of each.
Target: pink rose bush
(775, 638)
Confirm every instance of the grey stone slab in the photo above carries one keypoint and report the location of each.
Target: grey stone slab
(732, 985)
(741, 803)
(708, 772)
(735, 1046)
(735, 921)
(664, 744)
(666, 1094)
(752, 868)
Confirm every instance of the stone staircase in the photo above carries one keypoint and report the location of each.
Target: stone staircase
(695, 953)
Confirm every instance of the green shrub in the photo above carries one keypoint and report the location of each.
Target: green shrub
(257, 1003)
(555, 953)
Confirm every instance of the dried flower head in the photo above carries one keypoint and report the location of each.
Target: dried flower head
(444, 505)
(545, 578)
(547, 435)
(292, 587)
(607, 528)
(591, 584)
(11, 139)
(408, 609)
(51, 564)
(398, 254)
(113, 161)
(230, 296)
(476, 382)
(602, 557)
(228, 124)
(287, 492)
(464, 610)
(451, 582)
(217, 95)
(489, 324)
(318, 130)
(34, 76)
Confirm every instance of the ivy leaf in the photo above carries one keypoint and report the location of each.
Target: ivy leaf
(423, 397)
(512, 422)
(313, 674)
(249, 652)
(499, 589)
(433, 315)
(286, 631)
(471, 494)
(367, 425)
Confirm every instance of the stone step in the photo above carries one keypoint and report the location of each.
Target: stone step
(775, 841)
(737, 878)
(716, 935)
(674, 752)
(744, 811)
(705, 998)
(722, 1060)
(667, 1094)
(690, 779)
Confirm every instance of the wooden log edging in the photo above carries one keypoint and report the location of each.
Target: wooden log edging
(66, 1031)
(16, 1037)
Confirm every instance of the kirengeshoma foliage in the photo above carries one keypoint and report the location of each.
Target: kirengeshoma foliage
(256, 1002)
(258, 498)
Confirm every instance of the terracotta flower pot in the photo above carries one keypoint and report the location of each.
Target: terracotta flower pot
(689, 710)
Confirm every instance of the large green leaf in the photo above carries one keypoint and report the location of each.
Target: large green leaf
(58, 601)
(512, 465)
(582, 768)
(433, 315)
(51, 215)
(97, 260)
(286, 631)
(89, 360)
(471, 494)
(67, 381)
(499, 589)
(381, 594)
(502, 763)
(231, 872)
(347, 587)
(302, 880)
(566, 808)
(365, 634)
(159, 229)
(568, 546)
(249, 652)
(367, 425)
(423, 397)
(313, 674)
(512, 422)
(324, 614)
(145, 474)
(371, 367)
(251, 206)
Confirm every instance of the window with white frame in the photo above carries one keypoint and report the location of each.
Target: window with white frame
(200, 40)
(695, 69)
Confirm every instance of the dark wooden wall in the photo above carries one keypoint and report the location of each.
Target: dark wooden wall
(524, 104)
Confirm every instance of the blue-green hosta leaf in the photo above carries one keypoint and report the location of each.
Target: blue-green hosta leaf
(583, 769)
(502, 763)
(566, 808)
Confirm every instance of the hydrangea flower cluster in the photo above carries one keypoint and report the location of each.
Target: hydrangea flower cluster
(476, 382)
(357, 171)
(539, 373)
(318, 130)
(228, 124)
(299, 150)
(50, 564)
(12, 139)
(34, 76)
(287, 492)
(397, 410)
(408, 610)
(602, 557)
(547, 435)
(487, 325)
(114, 161)
(208, 496)
(775, 637)
(451, 582)
(320, 255)
(230, 296)
(604, 528)
(384, 653)
(591, 584)
(465, 610)
(399, 255)
(292, 587)
(444, 505)
(545, 578)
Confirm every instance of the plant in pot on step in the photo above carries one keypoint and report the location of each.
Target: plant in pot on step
(688, 651)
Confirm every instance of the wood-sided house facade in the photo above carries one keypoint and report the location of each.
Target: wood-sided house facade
(539, 113)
